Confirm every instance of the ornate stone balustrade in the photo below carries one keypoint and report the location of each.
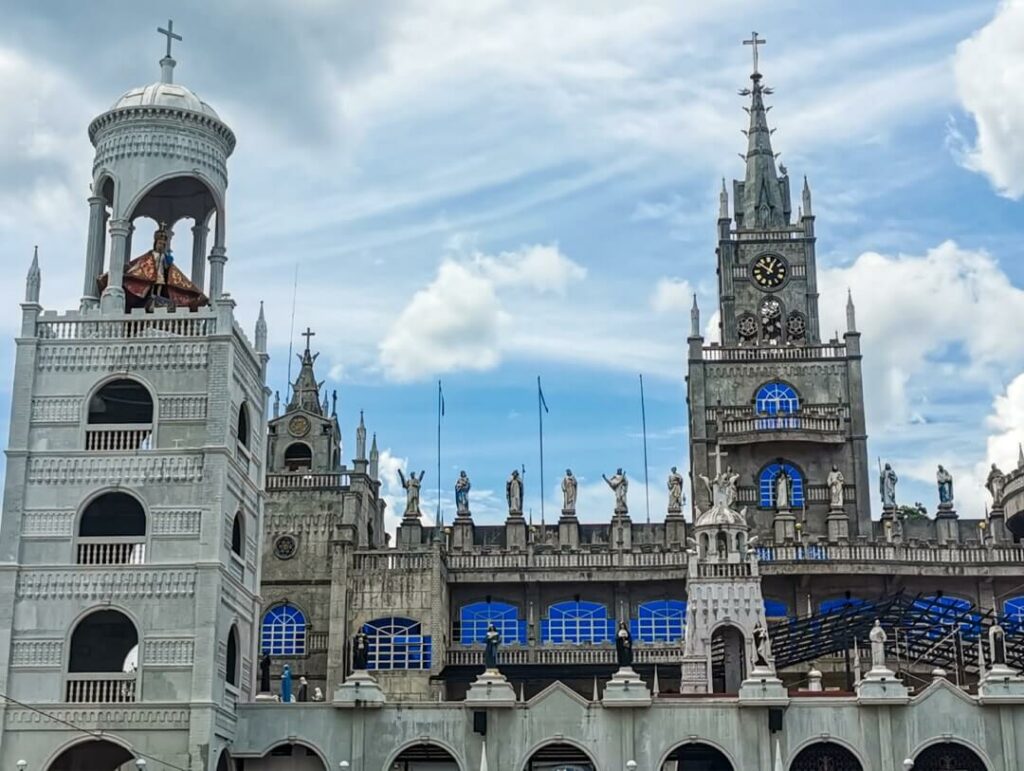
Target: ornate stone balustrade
(392, 560)
(567, 560)
(660, 653)
(101, 688)
(93, 583)
(111, 551)
(151, 467)
(298, 480)
(724, 570)
(776, 353)
(881, 553)
(154, 325)
(119, 438)
(769, 428)
(316, 642)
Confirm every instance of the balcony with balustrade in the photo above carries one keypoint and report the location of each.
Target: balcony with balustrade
(101, 688)
(823, 423)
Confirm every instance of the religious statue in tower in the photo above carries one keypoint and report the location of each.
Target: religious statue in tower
(153, 280)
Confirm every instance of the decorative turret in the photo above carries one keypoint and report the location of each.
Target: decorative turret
(374, 459)
(32, 280)
(306, 390)
(261, 331)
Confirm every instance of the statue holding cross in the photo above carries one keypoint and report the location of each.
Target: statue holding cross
(722, 488)
(754, 42)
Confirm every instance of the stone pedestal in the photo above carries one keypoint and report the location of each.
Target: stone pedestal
(462, 533)
(785, 526)
(621, 534)
(763, 688)
(358, 690)
(1001, 683)
(569, 529)
(693, 677)
(880, 686)
(947, 526)
(491, 689)
(838, 525)
(626, 689)
(675, 529)
(410, 533)
(888, 513)
(515, 532)
(997, 526)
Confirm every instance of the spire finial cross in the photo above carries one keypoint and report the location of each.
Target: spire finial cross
(308, 334)
(171, 35)
(754, 42)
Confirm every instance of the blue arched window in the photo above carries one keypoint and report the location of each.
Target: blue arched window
(941, 613)
(659, 621)
(475, 618)
(283, 632)
(766, 484)
(396, 643)
(1013, 615)
(775, 609)
(776, 399)
(577, 622)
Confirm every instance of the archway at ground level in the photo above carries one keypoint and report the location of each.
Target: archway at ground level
(696, 756)
(948, 756)
(424, 757)
(94, 755)
(559, 757)
(825, 756)
(287, 757)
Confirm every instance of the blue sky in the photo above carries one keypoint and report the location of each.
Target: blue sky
(488, 192)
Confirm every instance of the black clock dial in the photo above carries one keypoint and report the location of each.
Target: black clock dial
(770, 271)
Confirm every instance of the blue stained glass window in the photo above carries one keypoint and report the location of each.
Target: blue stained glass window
(766, 485)
(659, 621)
(942, 612)
(577, 622)
(776, 399)
(1013, 615)
(396, 643)
(284, 631)
(475, 618)
(775, 609)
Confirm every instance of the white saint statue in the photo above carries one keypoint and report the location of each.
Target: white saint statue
(675, 491)
(569, 485)
(877, 636)
(412, 492)
(835, 482)
(782, 491)
(620, 486)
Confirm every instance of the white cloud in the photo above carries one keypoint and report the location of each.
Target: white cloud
(989, 69)
(1007, 425)
(912, 309)
(672, 295)
(458, 321)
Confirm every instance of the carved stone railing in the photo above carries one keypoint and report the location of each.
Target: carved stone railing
(316, 642)
(177, 325)
(724, 570)
(458, 655)
(892, 553)
(713, 413)
(774, 424)
(300, 480)
(392, 560)
(101, 688)
(111, 551)
(776, 353)
(567, 560)
(119, 438)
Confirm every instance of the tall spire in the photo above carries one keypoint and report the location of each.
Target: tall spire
(306, 391)
(261, 331)
(361, 438)
(723, 203)
(374, 458)
(33, 279)
(807, 211)
(695, 318)
(762, 205)
(851, 316)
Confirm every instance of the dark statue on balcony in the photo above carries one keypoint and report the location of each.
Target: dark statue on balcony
(887, 480)
(945, 481)
(360, 651)
(265, 673)
(491, 642)
(624, 646)
(462, 488)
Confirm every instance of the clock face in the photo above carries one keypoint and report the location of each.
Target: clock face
(770, 271)
(298, 426)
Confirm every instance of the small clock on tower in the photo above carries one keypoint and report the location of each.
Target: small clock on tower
(770, 271)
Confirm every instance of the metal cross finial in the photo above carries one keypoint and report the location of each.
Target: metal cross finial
(171, 36)
(754, 42)
(308, 334)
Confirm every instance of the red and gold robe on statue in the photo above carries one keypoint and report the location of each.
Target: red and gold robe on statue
(146, 284)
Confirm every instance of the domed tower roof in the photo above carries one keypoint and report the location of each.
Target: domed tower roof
(722, 516)
(163, 94)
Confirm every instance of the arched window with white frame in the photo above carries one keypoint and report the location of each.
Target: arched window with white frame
(283, 631)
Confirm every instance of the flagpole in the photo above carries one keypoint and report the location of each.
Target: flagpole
(440, 412)
(647, 481)
(540, 420)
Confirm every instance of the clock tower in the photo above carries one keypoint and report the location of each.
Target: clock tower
(785, 407)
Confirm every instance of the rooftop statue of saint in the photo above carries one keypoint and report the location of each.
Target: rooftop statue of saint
(153, 280)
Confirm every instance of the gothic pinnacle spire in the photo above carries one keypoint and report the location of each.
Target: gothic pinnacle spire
(374, 458)
(33, 279)
(723, 203)
(807, 211)
(695, 318)
(851, 318)
(261, 331)
(762, 205)
(361, 438)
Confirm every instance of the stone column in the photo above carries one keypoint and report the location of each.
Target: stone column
(198, 275)
(113, 295)
(218, 258)
(94, 251)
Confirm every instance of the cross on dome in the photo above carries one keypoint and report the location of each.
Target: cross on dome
(172, 35)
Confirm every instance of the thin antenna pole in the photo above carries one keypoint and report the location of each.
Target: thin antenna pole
(291, 337)
(540, 419)
(647, 481)
(440, 412)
